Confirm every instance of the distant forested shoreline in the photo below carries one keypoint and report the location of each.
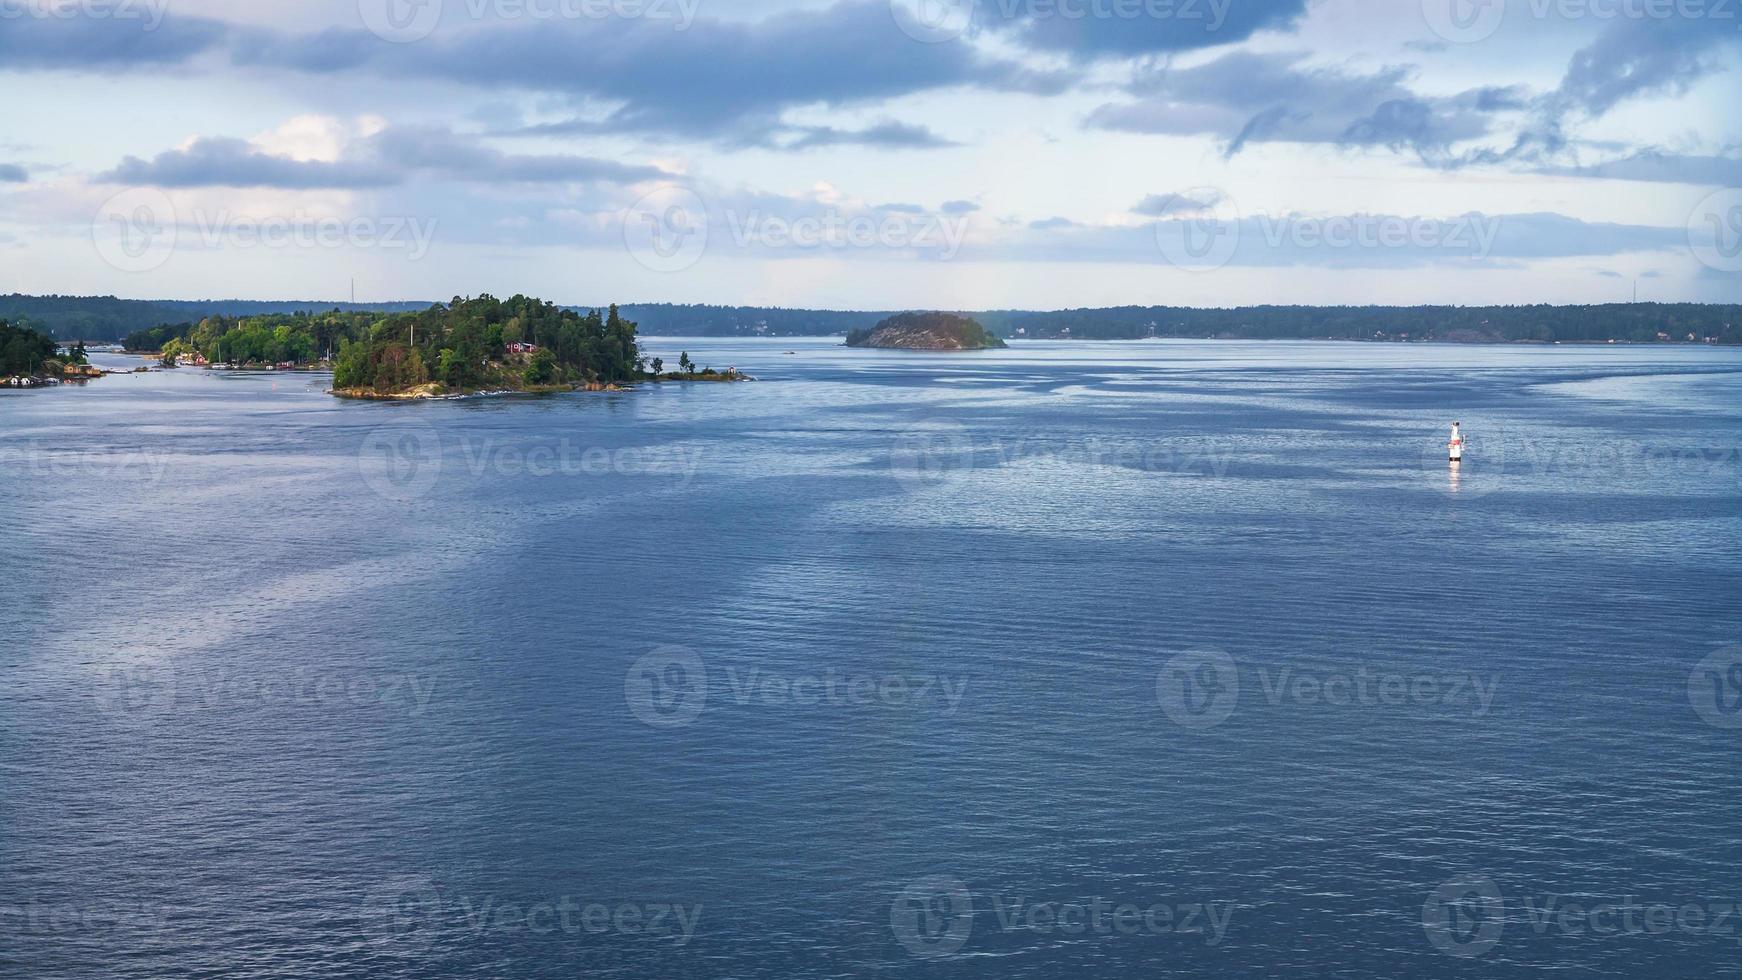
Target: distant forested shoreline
(106, 319)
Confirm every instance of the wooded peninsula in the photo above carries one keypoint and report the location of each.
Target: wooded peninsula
(466, 346)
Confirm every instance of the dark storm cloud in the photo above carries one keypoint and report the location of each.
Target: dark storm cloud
(721, 80)
(386, 159)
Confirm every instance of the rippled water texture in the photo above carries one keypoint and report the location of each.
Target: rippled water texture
(1153, 659)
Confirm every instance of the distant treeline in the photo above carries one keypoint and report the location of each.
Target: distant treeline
(690, 320)
(1622, 322)
(105, 318)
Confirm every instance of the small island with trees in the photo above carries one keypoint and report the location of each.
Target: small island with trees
(465, 347)
(926, 331)
(29, 359)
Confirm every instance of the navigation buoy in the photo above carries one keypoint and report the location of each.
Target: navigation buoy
(1457, 444)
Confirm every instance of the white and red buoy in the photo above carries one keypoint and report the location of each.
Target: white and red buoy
(1457, 444)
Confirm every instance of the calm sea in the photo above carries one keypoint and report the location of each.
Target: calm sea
(1120, 660)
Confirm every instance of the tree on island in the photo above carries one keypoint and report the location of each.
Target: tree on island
(684, 363)
(658, 366)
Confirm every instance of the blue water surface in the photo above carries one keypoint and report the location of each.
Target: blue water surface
(1117, 660)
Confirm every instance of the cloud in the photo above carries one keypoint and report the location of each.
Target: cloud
(1245, 97)
(884, 136)
(1052, 224)
(106, 43)
(959, 207)
(1632, 58)
(1162, 205)
(387, 158)
(1658, 167)
(1356, 241)
(726, 81)
(11, 173)
(1095, 29)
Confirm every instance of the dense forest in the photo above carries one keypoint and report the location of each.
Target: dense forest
(1623, 322)
(30, 353)
(107, 318)
(689, 320)
(463, 345)
(104, 318)
(23, 351)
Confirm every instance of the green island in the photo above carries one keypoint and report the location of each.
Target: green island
(29, 359)
(926, 331)
(470, 346)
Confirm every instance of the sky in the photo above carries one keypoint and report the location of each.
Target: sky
(875, 154)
